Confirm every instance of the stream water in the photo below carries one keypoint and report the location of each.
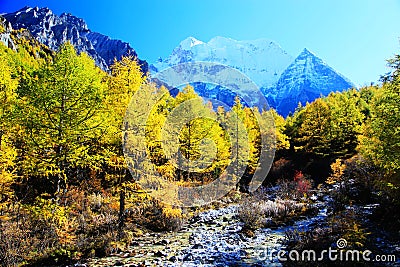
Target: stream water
(213, 238)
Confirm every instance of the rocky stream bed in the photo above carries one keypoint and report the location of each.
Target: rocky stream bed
(212, 238)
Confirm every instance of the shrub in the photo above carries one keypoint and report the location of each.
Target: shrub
(336, 176)
(303, 185)
(280, 208)
(42, 233)
(251, 214)
(348, 224)
(345, 224)
(352, 181)
(285, 189)
(95, 201)
(295, 189)
(13, 244)
(51, 231)
(162, 217)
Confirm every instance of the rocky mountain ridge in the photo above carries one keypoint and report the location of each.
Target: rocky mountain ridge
(53, 30)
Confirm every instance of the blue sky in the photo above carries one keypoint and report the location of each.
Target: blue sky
(355, 37)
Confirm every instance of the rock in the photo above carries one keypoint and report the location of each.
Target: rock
(248, 232)
(210, 260)
(118, 263)
(272, 224)
(163, 242)
(160, 254)
(173, 259)
(188, 257)
(135, 244)
(242, 253)
(197, 246)
(132, 253)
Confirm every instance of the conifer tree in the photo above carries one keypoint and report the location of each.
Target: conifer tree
(345, 124)
(8, 152)
(315, 129)
(381, 139)
(61, 108)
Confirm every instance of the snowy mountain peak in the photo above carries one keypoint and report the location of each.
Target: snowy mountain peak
(308, 56)
(306, 52)
(220, 41)
(189, 43)
(35, 11)
(306, 79)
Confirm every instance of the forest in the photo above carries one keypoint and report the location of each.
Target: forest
(67, 194)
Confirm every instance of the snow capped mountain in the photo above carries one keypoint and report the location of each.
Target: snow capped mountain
(284, 82)
(262, 60)
(53, 30)
(306, 79)
(189, 42)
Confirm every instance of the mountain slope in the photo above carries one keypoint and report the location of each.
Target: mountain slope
(53, 30)
(22, 41)
(306, 79)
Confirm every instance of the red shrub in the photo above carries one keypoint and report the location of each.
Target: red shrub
(302, 184)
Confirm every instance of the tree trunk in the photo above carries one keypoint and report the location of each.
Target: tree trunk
(121, 219)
